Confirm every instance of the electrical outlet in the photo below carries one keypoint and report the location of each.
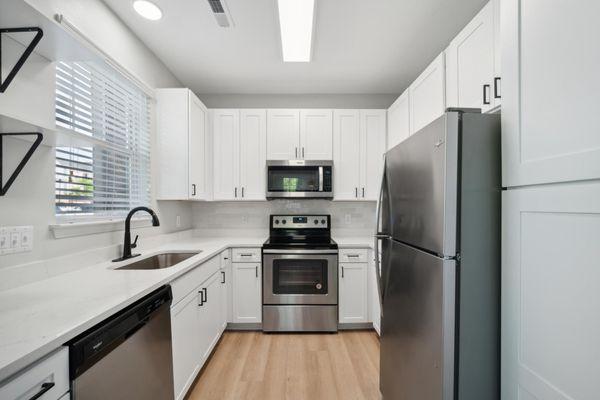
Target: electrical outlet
(178, 221)
(348, 219)
(27, 238)
(16, 239)
(4, 239)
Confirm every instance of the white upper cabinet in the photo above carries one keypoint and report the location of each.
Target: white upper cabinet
(182, 146)
(239, 154)
(550, 65)
(427, 95)
(316, 135)
(346, 153)
(373, 124)
(253, 154)
(359, 145)
(470, 64)
(398, 117)
(226, 127)
(283, 134)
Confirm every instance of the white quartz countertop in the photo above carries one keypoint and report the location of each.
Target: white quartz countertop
(38, 318)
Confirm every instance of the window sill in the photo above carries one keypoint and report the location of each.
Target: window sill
(64, 229)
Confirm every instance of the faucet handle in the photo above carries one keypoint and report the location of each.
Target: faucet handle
(134, 244)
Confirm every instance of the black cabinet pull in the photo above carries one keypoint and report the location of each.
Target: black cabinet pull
(242, 191)
(363, 192)
(302, 152)
(256, 269)
(356, 192)
(486, 88)
(205, 300)
(296, 152)
(235, 192)
(201, 298)
(342, 272)
(45, 387)
(497, 94)
(222, 276)
(193, 189)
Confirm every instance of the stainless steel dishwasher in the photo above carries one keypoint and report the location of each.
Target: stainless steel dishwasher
(127, 356)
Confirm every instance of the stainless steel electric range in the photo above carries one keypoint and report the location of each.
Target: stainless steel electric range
(300, 278)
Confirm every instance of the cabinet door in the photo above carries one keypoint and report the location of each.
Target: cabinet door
(427, 95)
(185, 328)
(550, 297)
(497, 54)
(283, 134)
(226, 267)
(353, 293)
(247, 302)
(346, 154)
(211, 321)
(253, 154)
(372, 130)
(226, 129)
(398, 121)
(550, 118)
(470, 64)
(316, 134)
(197, 149)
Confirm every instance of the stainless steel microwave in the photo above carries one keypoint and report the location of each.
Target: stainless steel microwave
(299, 179)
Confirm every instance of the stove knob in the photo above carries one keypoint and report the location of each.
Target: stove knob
(276, 222)
(323, 221)
(316, 221)
(284, 221)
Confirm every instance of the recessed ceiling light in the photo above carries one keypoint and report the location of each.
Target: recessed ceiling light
(296, 22)
(147, 10)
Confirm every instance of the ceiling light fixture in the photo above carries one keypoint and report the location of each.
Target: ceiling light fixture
(296, 23)
(147, 10)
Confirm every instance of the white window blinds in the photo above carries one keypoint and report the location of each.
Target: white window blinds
(112, 175)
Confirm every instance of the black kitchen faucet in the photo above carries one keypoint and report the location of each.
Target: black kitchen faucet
(127, 245)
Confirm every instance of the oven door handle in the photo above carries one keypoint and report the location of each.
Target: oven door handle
(298, 251)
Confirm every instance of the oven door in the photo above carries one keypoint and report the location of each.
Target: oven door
(301, 277)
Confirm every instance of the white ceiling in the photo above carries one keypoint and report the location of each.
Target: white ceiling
(360, 46)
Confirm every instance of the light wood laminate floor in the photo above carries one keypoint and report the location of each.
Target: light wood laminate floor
(254, 365)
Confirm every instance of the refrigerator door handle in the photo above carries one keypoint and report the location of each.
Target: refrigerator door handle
(379, 236)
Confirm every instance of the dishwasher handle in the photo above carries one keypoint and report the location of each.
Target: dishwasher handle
(95, 343)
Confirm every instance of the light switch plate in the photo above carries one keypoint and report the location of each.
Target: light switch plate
(16, 239)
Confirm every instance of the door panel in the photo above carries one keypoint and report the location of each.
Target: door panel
(197, 149)
(253, 154)
(316, 134)
(372, 151)
(422, 174)
(417, 332)
(346, 154)
(283, 134)
(427, 95)
(247, 301)
(226, 136)
(353, 293)
(398, 118)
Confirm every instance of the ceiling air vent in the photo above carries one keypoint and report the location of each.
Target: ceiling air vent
(221, 13)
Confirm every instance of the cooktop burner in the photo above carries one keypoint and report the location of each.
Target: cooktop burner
(300, 231)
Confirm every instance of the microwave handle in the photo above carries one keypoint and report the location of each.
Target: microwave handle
(320, 179)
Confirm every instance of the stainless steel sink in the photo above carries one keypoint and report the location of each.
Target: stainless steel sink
(159, 261)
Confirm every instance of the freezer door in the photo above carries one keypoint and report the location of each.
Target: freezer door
(423, 179)
(417, 331)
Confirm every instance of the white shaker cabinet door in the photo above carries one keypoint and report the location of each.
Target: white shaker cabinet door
(353, 293)
(283, 134)
(550, 296)
(226, 154)
(198, 188)
(253, 154)
(346, 154)
(550, 86)
(247, 301)
(398, 121)
(316, 134)
(470, 64)
(427, 95)
(372, 150)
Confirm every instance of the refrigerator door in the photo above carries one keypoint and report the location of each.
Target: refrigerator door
(423, 180)
(417, 331)
(382, 232)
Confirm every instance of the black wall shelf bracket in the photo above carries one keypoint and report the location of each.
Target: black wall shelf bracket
(36, 39)
(4, 188)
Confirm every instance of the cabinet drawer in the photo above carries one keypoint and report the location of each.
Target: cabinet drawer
(246, 255)
(51, 370)
(353, 255)
(188, 282)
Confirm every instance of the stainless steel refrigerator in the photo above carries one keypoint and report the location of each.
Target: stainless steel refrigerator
(439, 269)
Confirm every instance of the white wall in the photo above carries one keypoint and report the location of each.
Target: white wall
(30, 201)
(251, 218)
(297, 100)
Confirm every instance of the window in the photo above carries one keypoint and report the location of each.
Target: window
(112, 174)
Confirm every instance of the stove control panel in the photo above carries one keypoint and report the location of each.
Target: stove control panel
(299, 221)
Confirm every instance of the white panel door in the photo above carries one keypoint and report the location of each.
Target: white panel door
(372, 128)
(283, 134)
(212, 323)
(253, 154)
(247, 301)
(470, 64)
(398, 120)
(353, 293)
(497, 53)
(185, 328)
(550, 118)
(226, 127)
(427, 95)
(550, 296)
(346, 154)
(316, 134)
(198, 189)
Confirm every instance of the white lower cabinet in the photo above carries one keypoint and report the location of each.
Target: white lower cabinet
(247, 302)
(227, 292)
(353, 293)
